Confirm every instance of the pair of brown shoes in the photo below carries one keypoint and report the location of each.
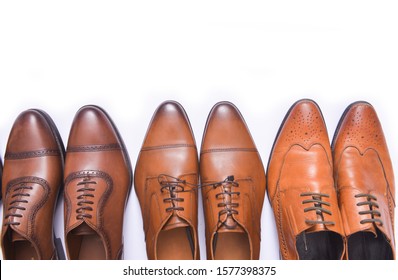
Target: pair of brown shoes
(332, 202)
(97, 176)
(232, 185)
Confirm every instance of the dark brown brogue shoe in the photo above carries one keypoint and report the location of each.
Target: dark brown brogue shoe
(32, 179)
(98, 179)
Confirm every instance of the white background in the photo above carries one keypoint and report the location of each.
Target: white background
(129, 56)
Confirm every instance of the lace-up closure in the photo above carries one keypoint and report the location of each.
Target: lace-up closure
(226, 195)
(84, 203)
(16, 203)
(371, 202)
(316, 199)
(173, 185)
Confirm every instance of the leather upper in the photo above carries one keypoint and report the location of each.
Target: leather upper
(97, 183)
(168, 158)
(300, 166)
(32, 178)
(228, 153)
(362, 166)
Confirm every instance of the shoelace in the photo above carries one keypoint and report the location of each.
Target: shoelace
(17, 200)
(84, 203)
(316, 200)
(226, 194)
(173, 185)
(371, 202)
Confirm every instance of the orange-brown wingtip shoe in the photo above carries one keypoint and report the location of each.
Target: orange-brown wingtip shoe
(98, 178)
(301, 188)
(165, 181)
(32, 180)
(365, 181)
(233, 186)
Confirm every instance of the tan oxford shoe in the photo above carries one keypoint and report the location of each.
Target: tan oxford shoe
(166, 178)
(233, 186)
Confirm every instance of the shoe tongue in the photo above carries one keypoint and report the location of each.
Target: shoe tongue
(316, 228)
(175, 222)
(372, 229)
(83, 229)
(230, 225)
(15, 236)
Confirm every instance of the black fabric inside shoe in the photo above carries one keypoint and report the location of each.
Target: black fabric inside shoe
(365, 245)
(321, 245)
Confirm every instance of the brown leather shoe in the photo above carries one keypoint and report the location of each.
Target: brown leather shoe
(364, 177)
(301, 188)
(32, 179)
(166, 178)
(233, 186)
(97, 182)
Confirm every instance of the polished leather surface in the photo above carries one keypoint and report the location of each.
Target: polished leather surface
(299, 170)
(165, 180)
(233, 186)
(365, 181)
(97, 182)
(32, 178)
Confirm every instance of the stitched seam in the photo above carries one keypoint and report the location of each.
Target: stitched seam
(253, 150)
(94, 148)
(279, 222)
(108, 179)
(32, 154)
(150, 148)
(391, 210)
(35, 180)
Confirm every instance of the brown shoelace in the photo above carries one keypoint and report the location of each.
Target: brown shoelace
(373, 205)
(17, 199)
(84, 203)
(316, 200)
(173, 186)
(226, 194)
